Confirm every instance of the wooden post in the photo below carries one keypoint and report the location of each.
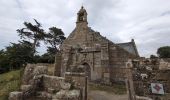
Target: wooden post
(86, 83)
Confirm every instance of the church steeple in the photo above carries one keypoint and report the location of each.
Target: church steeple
(82, 16)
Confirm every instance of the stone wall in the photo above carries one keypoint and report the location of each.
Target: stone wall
(37, 84)
(104, 58)
(81, 82)
(118, 58)
(164, 64)
(147, 71)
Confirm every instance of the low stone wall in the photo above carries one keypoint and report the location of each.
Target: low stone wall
(37, 84)
(50, 67)
(32, 70)
(16, 96)
(56, 83)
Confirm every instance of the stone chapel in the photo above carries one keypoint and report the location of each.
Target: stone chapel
(86, 50)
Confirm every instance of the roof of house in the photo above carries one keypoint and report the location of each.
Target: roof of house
(130, 47)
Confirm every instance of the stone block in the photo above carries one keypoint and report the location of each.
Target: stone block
(40, 70)
(44, 95)
(50, 90)
(16, 96)
(31, 71)
(25, 88)
(68, 95)
(55, 82)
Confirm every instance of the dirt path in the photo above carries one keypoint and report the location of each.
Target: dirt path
(102, 95)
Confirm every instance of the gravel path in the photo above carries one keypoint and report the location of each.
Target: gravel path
(102, 95)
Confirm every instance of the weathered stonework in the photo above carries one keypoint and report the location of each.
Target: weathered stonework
(38, 85)
(147, 71)
(15, 96)
(86, 50)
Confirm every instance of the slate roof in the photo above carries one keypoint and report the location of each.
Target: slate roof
(130, 47)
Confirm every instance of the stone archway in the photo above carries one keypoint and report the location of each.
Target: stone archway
(87, 70)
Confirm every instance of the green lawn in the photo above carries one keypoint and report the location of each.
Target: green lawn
(9, 82)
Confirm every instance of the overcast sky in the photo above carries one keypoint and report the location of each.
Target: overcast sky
(147, 21)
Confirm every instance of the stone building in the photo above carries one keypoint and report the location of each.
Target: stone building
(86, 50)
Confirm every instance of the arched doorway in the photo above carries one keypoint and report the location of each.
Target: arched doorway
(86, 68)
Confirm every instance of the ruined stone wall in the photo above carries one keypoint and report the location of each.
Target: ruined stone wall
(147, 71)
(164, 64)
(50, 67)
(38, 85)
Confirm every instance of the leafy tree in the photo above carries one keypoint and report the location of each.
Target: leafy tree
(164, 52)
(4, 63)
(19, 54)
(37, 59)
(153, 56)
(55, 37)
(32, 32)
(45, 58)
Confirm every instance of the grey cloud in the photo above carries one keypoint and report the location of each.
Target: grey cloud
(147, 21)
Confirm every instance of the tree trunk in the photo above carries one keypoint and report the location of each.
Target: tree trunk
(34, 46)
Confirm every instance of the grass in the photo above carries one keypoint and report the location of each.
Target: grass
(9, 82)
(116, 88)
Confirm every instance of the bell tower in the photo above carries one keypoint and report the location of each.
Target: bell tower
(82, 17)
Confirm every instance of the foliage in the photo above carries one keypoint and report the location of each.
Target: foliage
(4, 61)
(9, 82)
(16, 55)
(45, 58)
(19, 54)
(164, 52)
(33, 32)
(153, 56)
(55, 37)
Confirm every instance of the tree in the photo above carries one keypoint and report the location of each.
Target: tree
(45, 58)
(19, 54)
(16, 55)
(153, 56)
(32, 32)
(4, 62)
(164, 52)
(55, 37)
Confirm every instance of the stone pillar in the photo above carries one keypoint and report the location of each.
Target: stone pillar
(81, 82)
(57, 64)
(129, 81)
(65, 60)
